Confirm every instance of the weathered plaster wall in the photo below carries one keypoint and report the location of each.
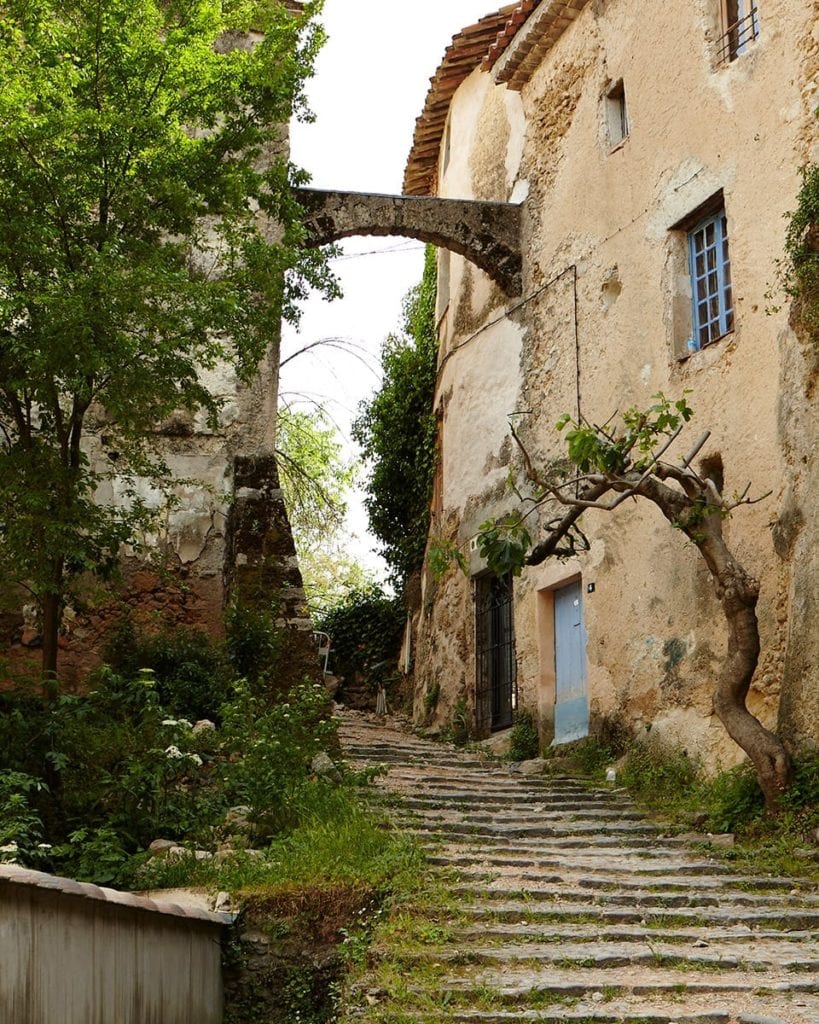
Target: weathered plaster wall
(796, 532)
(477, 381)
(604, 323)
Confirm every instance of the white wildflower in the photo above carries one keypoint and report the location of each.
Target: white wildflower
(197, 760)
(170, 721)
(173, 752)
(9, 848)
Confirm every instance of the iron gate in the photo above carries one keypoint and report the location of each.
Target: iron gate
(496, 689)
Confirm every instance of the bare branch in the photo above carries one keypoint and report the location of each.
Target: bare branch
(743, 500)
(557, 533)
(686, 462)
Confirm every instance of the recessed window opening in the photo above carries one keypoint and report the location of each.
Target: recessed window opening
(617, 114)
(447, 147)
(711, 469)
(710, 269)
(740, 26)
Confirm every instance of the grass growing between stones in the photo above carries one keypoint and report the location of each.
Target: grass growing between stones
(668, 784)
(338, 841)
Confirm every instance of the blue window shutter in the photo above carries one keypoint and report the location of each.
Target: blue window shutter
(711, 292)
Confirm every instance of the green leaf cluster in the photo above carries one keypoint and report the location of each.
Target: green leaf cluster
(397, 433)
(592, 448)
(800, 270)
(504, 544)
(365, 629)
(316, 480)
(148, 234)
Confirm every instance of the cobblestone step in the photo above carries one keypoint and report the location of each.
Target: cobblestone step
(679, 934)
(613, 1012)
(514, 910)
(557, 902)
(657, 953)
(734, 901)
(525, 857)
(536, 811)
(502, 802)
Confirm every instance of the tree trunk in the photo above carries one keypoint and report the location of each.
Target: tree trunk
(52, 604)
(738, 592)
(771, 760)
(51, 626)
(698, 510)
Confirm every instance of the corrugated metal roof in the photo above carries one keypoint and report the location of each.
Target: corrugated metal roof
(12, 874)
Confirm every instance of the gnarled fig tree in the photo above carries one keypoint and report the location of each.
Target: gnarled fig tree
(607, 465)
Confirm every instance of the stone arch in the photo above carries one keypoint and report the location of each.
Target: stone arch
(485, 233)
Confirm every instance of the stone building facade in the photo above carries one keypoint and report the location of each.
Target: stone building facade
(644, 142)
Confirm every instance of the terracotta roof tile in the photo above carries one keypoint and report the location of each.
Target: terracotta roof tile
(465, 53)
(512, 42)
(508, 33)
(521, 49)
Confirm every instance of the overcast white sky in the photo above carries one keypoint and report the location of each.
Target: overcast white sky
(371, 82)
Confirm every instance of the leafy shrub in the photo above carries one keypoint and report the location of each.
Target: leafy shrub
(431, 698)
(461, 722)
(99, 776)
(525, 741)
(93, 762)
(733, 799)
(659, 775)
(253, 644)
(397, 433)
(21, 828)
(803, 795)
(189, 667)
(592, 756)
(365, 630)
(267, 749)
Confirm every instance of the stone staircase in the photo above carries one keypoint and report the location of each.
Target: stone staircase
(551, 900)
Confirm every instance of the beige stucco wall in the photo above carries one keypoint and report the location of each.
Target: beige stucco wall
(606, 317)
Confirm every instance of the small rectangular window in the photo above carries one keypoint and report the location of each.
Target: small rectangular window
(740, 27)
(617, 114)
(710, 269)
(447, 147)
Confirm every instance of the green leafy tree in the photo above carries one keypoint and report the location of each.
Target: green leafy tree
(603, 467)
(397, 433)
(316, 479)
(147, 233)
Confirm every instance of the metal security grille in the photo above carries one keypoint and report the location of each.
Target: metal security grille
(741, 29)
(496, 690)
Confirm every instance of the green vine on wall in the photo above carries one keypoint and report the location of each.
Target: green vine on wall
(800, 269)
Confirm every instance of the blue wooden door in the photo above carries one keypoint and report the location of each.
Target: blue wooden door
(571, 699)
